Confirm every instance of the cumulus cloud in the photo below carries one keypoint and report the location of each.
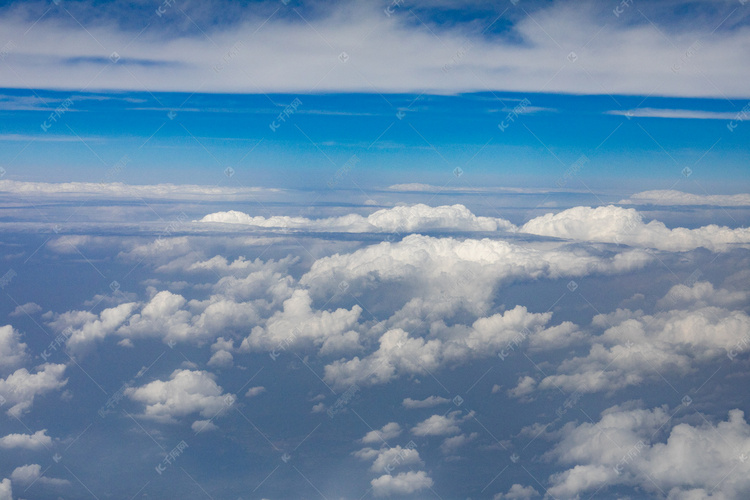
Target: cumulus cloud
(255, 391)
(38, 440)
(635, 347)
(518, 492)
(399, 353)
(186, 392)
(24, 309)
(676, 198)
(388, 431)
(404, 483)
(428, 402)
(21, 387)
(441, 425)
(701, 294)
(439, 274)
(6, 490)
(611, 224)
(32, 473)
(298, 323)
(453, 444)
(389, 459)
(13, 352)
(622, 449)
(402, 219)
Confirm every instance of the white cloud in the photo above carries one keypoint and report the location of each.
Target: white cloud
(21, 387)
(700, 294)
(441, 425)
(675, 198)
(186, 392)
(401, 219)
(685, 114)
(113, 190)
(452, 444)
(518, 492)
(635, 347)
(389, 459)
(37, 441)
(255, 391)
(13, 353)
(428, 402)
(404, 483)
(203, 426)
(385, 54)
(611, 224)
(32, 473)
(6, 490)
(24, 309)
(388, 431)
(620, 450)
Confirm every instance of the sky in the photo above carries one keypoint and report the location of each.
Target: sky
(389, 249)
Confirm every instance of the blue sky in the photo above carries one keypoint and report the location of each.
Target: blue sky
(362, 250)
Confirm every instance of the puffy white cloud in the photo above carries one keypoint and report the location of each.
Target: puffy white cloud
(388, 431)
(32, 473)
(404, 483)
(186, 392)
(203, 426)
(635, 347)
(255, 391)
(401, 354)
(620, 450)
(27, 308)
(440, 273)
(700, 294)
(297, 323)
(675, 198)
(21, 387)
(611, 224)
(6, 489)
(452, 444)
(428, 402)
(12, 351)
(441, 425)
(518, 492)
(401, 219)
(389, 459)
(36, 441)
